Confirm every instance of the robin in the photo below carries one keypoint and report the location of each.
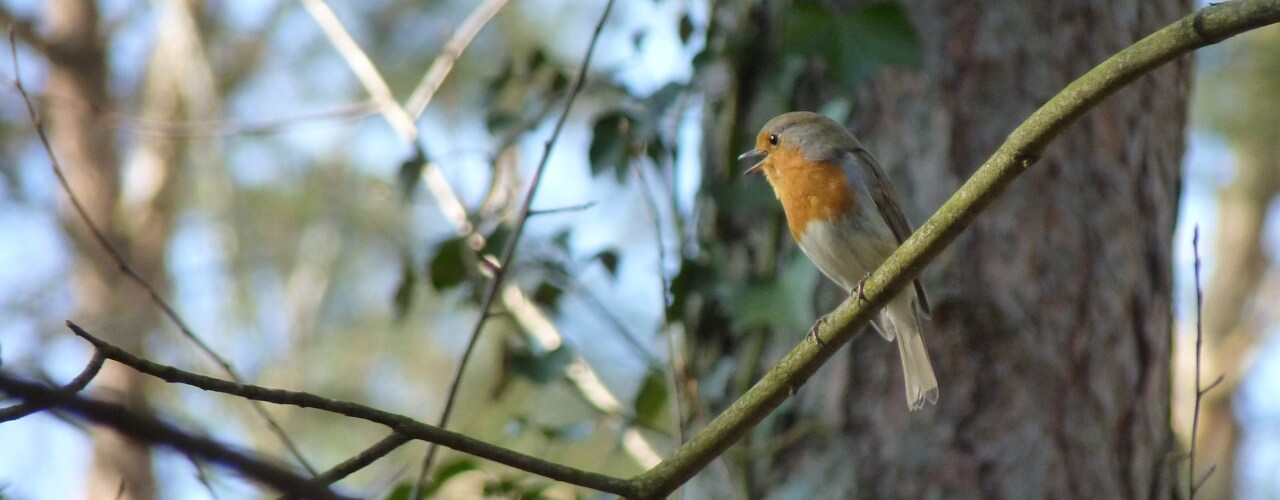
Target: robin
(843, 213)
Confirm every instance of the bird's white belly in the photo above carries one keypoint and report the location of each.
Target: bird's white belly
(848, 249)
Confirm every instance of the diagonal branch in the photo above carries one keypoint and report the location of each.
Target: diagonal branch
(402, 425)
(443, 63)
(149, 429)
(363, 68)
(1021, 150)
(527, 315)
(75, 385)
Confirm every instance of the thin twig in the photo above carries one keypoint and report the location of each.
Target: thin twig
(128, 270)
(1193, 483)
(363, 68)
(651, 205)
(148, 429)
(560, 210)
(677, 376)
(363, 459)
(223, 128)
(491, 291)
(443, 63)
(76, 384)
(449, 203)
(397, 423)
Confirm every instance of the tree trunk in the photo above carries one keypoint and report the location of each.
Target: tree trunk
(120, 310)
(1051, 328)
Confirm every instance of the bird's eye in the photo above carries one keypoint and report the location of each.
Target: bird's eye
(773, 139)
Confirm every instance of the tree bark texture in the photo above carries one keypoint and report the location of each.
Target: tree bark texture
(1051, 331)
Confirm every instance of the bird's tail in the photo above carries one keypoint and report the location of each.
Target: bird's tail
(903, 319)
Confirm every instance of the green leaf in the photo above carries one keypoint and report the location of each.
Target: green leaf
(651, 399)
(547, 295)
(609, 258)
(404, 292)
(853, 44)
(534, 492)
(785, 303)
(451, 469)
(561, 240)
(411, 172)
(882, 32)
(497, 120)
(446, 471)
(496, 241)
(573, 431)
(502, 486)
(692, 277)
(448, 266)
(541, 368)
(686, 28)
(611, 138)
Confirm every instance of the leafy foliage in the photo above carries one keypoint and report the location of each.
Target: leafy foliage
(854, 44)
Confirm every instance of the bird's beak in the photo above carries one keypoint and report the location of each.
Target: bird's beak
(753, 155)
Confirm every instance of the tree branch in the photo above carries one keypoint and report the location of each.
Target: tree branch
(127, 270)
(443, 64)
(400, 424)
(75, 385)
(25, 29)
(495, 284)
(1021, 150)
(149, 429)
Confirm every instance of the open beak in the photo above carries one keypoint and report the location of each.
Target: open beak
(753, 155)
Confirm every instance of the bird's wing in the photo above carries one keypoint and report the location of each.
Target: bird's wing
(882, 194)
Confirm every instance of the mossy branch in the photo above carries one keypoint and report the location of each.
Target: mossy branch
(1021, 150)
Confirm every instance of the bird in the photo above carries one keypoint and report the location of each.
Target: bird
(843, 213)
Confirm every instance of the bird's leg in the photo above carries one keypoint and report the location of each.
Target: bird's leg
(857, 289)
(813, 332)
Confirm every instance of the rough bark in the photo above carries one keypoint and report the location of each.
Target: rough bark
(1051, 330)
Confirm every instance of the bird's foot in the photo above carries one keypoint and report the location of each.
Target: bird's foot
(813, 332)
(857, 289)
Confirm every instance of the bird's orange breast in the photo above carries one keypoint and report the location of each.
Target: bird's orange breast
(808, 190)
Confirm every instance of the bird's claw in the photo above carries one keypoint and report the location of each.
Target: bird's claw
(813, 333)
(857, 289)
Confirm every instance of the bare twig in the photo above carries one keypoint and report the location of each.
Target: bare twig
(453, 48)
(128, 270)
(491, 291)
(363, 459)
(222, 128)
(560, 210)
(24, 29)
(398, 423)
(1194, 484)
(76, 384)
(149, 429)
(363, 68)
(456, 213)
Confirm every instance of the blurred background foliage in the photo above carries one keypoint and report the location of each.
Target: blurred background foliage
(306, 245)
